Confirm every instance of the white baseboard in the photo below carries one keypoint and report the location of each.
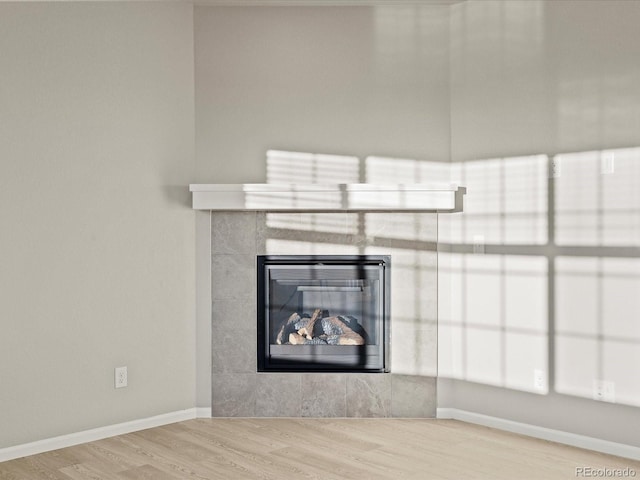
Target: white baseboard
(202, 412)
(94, 434)
(590, 443)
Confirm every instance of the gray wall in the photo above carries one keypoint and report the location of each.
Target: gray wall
(96, 147)
(557, 286)
(352, 80)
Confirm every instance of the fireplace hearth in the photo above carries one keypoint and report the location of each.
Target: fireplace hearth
(323, 313)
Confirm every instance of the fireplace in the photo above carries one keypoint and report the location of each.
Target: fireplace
(323, 313)
(248, 220)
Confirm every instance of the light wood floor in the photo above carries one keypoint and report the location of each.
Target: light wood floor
(339, 449)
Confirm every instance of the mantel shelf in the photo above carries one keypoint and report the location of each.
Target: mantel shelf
(444, 198)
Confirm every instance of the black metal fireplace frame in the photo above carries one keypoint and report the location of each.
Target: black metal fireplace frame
(362, 353)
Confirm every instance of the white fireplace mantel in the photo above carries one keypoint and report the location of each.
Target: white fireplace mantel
(327, 198)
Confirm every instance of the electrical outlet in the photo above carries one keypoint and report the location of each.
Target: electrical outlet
(607, 163)
(121, 377)
(555, 167)
(539, 382)
(478, 244)
(604, 391)
(609, 392)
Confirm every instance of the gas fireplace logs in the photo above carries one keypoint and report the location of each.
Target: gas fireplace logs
(307, 330)
(321, 330)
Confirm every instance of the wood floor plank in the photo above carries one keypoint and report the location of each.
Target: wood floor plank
(243, 456)
(30, 468)
(85, 471)
(314, 431)
(313, 449)
(146, 472)
(100, 458)
(167, 460)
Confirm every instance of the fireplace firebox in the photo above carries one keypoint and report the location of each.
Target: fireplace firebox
(323, 313)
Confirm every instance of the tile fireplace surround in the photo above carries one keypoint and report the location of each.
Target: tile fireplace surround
(238, 235)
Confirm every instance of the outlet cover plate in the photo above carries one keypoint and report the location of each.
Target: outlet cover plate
(555, 168)
(539, 380)
(121, 379)
(604, 391)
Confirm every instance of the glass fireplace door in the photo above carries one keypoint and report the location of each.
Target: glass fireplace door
(323, 313)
